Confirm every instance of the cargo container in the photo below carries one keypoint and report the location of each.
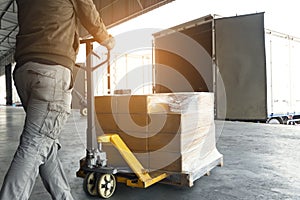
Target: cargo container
(283, 71)
(251, 70)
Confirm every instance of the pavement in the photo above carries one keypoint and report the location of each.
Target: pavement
(261, 161)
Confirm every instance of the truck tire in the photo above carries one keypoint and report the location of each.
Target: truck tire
(275, 121)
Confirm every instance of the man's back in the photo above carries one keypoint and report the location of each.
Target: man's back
(47, 30)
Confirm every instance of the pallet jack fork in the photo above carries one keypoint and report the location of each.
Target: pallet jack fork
(100, 179)
(145, 179)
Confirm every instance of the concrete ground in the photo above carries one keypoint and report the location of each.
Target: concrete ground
(260, 162)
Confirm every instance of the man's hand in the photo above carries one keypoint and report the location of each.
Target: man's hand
(109, 43)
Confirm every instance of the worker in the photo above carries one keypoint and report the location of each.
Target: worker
(46, 49)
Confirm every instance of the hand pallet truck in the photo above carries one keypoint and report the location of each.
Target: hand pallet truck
(100, 179)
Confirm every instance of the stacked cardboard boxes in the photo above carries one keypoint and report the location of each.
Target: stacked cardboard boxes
(172, 132)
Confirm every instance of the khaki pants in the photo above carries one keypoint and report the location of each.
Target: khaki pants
(45, 92)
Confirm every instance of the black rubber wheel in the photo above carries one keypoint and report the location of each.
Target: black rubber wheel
(274, 121)
(90, 184)
(106, 185)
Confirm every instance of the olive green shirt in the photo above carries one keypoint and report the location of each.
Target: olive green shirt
(48, 29)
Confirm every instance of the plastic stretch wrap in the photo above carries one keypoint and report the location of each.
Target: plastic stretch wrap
(170, 131)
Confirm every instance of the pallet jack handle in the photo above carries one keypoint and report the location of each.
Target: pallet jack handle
(92, 145)
(90, 52)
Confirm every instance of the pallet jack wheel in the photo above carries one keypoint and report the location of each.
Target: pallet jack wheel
(106, 185)
(84, 111)
(89, 184)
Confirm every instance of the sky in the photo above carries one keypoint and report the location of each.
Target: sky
(281, 16)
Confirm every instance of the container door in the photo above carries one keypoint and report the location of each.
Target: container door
(240, 60)
(182, 58)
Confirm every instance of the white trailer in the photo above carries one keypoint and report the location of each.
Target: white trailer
(283, 72)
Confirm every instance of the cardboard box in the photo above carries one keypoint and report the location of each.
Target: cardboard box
(171, 132)
(134, 104)
(107, 122)
(136, 142)
(131, 122)
(115, 159)
(105, 104)
(180, 142)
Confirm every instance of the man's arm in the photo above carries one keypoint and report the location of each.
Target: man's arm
(89, 17)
